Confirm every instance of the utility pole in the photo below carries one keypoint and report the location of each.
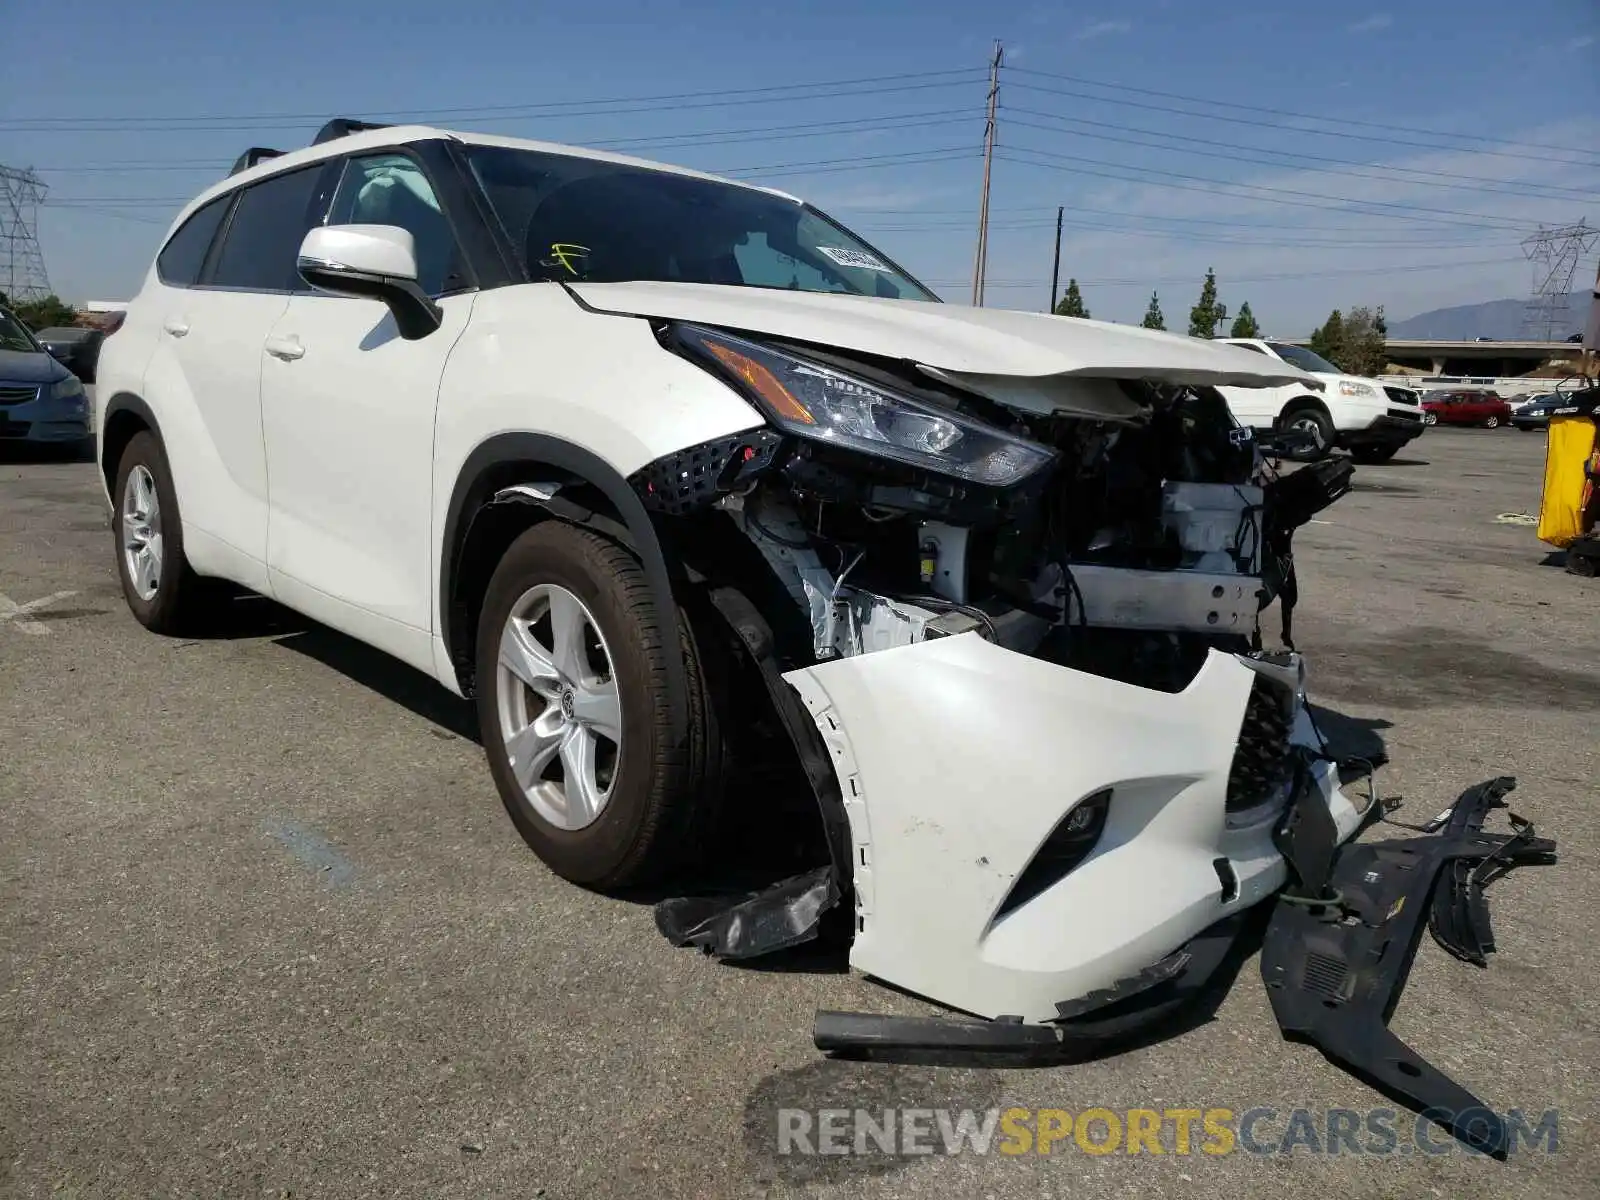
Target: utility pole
(980, 265)
(1055, 270)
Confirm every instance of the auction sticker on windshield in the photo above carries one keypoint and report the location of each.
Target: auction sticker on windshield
(854, 258)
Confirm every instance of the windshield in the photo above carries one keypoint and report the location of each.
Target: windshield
(1304, 359)
(15, 336)
(584, 220)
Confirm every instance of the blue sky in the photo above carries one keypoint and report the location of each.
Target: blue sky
(1168, 130)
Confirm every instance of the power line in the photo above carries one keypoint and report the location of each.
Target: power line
(1274, 278)
(565, 108)
(1343, 203)
(1258, 120)
(1443, 179)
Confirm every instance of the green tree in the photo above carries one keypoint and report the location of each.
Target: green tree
(1207, 314)
(1152, 315)
(1363, 348)
(45, 314)
(1328, 339)
(1244, 325)
(1071, 305)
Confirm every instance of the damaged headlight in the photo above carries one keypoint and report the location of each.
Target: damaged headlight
(817, 402)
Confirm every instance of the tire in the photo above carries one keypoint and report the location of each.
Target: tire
(1313, 420)
(1374, 454)
(1491, 423)
(1430, 418)
(145, 480)
(644, 804)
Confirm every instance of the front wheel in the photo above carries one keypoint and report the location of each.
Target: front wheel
(1430, 418)
(1313, 421)
(1491, 423)
(576, 717)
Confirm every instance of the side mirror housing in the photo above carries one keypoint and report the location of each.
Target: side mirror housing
(375, 262)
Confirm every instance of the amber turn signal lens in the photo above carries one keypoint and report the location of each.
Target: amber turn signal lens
(763, 382)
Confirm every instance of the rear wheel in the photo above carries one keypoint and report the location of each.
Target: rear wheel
(1491, 422)
(162, 592)
(1430, 418)
(576, 717)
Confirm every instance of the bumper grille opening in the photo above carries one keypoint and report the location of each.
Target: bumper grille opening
(1261, 764)
(1068, 845)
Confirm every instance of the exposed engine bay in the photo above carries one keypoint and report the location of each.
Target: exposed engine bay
(1155, 534)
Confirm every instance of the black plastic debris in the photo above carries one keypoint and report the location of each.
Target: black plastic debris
(1341, 941)
(786, 914)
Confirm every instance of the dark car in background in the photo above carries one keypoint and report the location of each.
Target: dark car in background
(1537, 412)
(77, 348)
(1466, 406)
(40, 400)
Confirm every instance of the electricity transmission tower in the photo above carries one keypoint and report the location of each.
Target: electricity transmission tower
(1555, 254)
(22, 273)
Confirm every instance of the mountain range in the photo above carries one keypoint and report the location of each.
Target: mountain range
(1497, 319)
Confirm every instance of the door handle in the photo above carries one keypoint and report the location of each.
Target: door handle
(176, 326)
(288, 349)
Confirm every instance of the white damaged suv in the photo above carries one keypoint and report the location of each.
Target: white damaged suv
(1357, 414)
(669, 473)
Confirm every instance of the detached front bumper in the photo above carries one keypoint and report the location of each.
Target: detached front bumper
(958, 759)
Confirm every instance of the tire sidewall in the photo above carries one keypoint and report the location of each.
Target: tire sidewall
(599, 851)
(161, 609)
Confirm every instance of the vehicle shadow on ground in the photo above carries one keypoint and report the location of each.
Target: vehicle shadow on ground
(248, 616)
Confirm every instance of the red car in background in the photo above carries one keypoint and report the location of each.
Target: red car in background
(1466, 406)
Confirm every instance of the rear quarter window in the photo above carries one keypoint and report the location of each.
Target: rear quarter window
(180, 260)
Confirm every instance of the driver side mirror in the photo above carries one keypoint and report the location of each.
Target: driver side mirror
(376, 262)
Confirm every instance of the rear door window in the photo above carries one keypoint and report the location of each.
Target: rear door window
(263, 239)
(179, 263)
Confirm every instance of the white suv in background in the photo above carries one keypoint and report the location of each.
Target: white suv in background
(675, 477)
(1357, 414)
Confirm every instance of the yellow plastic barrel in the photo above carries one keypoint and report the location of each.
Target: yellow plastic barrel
(1569, 456)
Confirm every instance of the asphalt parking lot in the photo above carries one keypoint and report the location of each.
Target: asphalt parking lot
(267, 930)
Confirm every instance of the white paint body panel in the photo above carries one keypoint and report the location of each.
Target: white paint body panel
(957, 758)
(349, 428)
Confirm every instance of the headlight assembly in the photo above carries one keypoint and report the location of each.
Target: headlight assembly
(1347, 388)
(66, 388)
(816, 402)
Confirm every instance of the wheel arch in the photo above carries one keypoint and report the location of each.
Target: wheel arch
(125, 415)
(477, 531)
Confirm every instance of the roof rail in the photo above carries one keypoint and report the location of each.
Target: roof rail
(342, 127)
(252, 156)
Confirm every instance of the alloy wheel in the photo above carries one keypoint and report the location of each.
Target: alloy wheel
(141, 532)
(559, 709)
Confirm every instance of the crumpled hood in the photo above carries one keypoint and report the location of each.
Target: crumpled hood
(1031, 361)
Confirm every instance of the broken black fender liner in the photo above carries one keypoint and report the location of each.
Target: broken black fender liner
(1338, 950)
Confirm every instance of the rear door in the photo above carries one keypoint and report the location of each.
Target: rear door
(207, 368)
(348, 412)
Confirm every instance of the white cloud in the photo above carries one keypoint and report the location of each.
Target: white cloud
(1582, 43)
(1103, 29)
(1373, 23)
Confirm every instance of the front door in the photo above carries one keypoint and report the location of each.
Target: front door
(348, 412)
